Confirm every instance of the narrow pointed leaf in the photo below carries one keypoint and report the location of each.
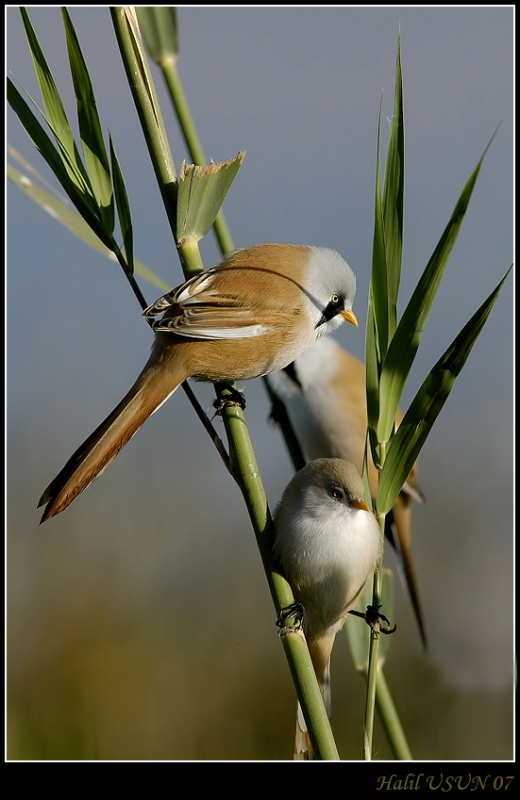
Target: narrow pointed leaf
(54, 109)
(426, 406)
(379, 288)
(94, 151)
(31, 170)
(376, 340)
(202, 191)
(405, 342)
(364, 475)
(393, 199)
(129, 39)
(159, 30)
(78, 178)
(123, 210)
(71, 220)
(46, 148)
(372, 378)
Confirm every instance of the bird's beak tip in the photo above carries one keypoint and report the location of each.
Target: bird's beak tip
(350, 317)
(359, 503)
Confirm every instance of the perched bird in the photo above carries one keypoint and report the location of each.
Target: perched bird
(326, 543)
(324, 393)
(252, 314)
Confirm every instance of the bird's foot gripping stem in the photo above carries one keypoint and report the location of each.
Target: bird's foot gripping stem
(233, 397)
(373, 615)
(292, 612)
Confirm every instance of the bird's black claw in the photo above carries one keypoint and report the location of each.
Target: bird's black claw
(235, 397)
(295, 611)
(373, 615)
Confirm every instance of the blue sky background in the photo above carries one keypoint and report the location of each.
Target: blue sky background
(299, 89)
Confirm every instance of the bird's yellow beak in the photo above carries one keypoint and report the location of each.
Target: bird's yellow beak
(360, 503)
(350, 317)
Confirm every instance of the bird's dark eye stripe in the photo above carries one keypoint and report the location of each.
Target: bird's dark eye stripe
(334, 306)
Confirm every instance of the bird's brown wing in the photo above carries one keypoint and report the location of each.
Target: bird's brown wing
(205, 307)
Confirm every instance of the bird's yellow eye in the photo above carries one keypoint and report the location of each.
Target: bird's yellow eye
(334, 298)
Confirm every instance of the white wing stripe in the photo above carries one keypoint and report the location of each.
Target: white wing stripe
(241, 332)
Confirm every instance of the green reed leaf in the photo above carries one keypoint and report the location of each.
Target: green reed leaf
(426, 406)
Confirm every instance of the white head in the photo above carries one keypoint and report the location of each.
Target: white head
(330, 287)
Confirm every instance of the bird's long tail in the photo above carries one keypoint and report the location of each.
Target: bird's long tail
(162, 374)
(398, 531)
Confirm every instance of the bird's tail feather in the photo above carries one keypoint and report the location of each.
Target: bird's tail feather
(153, 386)
(303, 750)
(398, 531)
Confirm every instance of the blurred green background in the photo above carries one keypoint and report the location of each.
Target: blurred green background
(139, 624)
